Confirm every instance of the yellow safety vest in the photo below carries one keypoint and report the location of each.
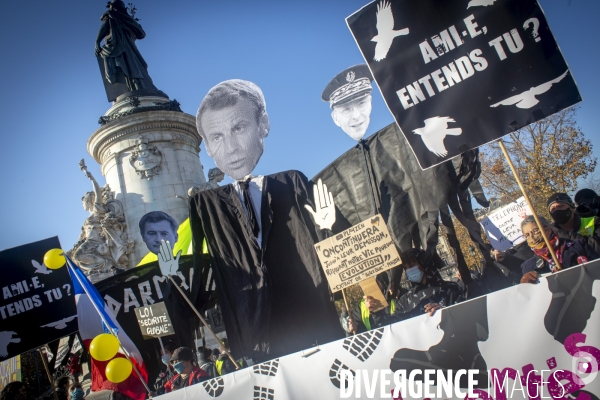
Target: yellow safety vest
(587, 226)
(365, 314)
(219, 365)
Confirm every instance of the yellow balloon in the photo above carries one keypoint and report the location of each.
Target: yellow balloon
(104, 347)
(118, 369)
(54, 259)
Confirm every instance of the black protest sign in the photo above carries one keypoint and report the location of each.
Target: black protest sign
(154, 321)
(37, 304)
(144, 286)
(457, 74)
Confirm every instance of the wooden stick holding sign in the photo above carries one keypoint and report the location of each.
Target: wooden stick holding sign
(45, 361)
(535, 216)
(169, 266)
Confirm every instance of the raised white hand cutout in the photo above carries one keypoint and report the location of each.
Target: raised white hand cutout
(168, 264)
(324, 215)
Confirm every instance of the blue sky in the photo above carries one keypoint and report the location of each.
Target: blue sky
(52, 93)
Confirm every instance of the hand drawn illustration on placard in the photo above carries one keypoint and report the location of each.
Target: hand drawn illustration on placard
(7, 338)
(485, 3)
(434, 132)
(527, 99)
(40, 268)
(385, 31)
(60, 324)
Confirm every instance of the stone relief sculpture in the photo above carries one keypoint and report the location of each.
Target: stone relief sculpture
(215, 175)
(103, 243)
(145, 159)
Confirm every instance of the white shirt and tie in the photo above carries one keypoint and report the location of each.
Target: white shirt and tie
(255, 187)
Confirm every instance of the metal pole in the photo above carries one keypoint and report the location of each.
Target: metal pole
(535, 216)
(48, 372)
(223, 349)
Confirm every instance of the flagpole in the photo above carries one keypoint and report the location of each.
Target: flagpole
(535, 216)
(125, 352)
(48, 372)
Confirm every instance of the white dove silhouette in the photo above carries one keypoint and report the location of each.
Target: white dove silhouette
(6, 339)
(60, 324)
(40, 269)
(475, 3)
(434, 132)
(527, 98)
(385, 31)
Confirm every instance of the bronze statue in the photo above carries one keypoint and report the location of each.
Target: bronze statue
(123, 68)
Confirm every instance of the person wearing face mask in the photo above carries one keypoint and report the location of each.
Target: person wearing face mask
(568, 252)
(187, 373)
(75, 391)
(571, 224)
(429, 292)
(168, 373)
(588, 203)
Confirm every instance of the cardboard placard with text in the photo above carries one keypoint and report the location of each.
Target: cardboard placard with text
(359, 252)
(154, 321)
(503, 226)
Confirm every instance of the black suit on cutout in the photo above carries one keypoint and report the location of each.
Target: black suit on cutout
(275, 299)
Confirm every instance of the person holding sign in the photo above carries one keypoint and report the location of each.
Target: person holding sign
(428, 294)
(363, 318)
(568, 252)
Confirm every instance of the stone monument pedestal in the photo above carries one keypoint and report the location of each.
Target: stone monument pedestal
(149, 154)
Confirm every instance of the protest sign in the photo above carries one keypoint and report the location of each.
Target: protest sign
(154, 321)
(503, 226)
(510, 339)
(10, 371)
(458, 74)
(37, 304)
(145, 285)
(357, 253)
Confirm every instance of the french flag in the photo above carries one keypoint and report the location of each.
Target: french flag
(92, 315)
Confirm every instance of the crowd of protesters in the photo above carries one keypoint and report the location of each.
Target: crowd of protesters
(573, 234)
(574, 237)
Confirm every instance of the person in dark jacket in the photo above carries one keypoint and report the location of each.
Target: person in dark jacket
(587, 202)
(205, 362)
(428, 294)
(572, 225)
(166, 375)
(187, 373)
(568, 252)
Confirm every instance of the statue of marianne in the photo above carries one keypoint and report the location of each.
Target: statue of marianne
(123, 67)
